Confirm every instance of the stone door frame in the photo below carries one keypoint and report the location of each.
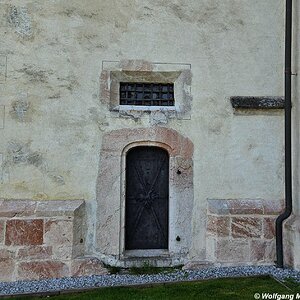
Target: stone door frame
(110, 227)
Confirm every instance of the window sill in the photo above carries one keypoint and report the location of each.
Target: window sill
(144, 108)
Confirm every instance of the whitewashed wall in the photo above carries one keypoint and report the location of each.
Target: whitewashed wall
(52, 121)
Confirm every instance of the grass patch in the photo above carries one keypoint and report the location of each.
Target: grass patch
(227, 288)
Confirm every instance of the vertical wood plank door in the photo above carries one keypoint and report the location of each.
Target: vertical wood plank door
(147, 198)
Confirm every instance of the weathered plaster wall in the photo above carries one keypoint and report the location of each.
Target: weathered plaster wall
(52, 120)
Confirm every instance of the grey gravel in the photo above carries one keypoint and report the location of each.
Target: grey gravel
(56, 285)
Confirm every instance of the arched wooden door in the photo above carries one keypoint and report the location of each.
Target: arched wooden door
(147, 198)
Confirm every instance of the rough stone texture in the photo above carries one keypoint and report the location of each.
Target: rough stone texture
(220, 207)
(21, 111)
(219, 226)
(21, 21)
(17, 208)
(257, 102)
(246, 227)
(24, 232)
(233, 251)
(58, 208)
(5, 254)
(269, 228)
(2, 231)
(247, 206)
(7, 264)
(262, 251)
(35, 252)
(7, 267)
(41, 269)
(87, 267)
(59, 234)
(273, 207)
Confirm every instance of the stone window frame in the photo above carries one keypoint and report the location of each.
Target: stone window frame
(110, 230)
(146, 72)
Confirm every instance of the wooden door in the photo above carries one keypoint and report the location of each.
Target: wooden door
(147, 198)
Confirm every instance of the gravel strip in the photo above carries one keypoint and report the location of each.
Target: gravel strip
(54, 285)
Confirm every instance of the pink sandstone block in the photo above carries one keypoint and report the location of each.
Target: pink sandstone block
(59, 235)
(262, 251)
(41, 269)
(245, 207)
(219, 226)
(245, 227)
(269, 228)
(58, 232)
(24, 232)
(35, 252)
(273, 207)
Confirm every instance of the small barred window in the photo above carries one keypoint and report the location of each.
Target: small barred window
(147, 94)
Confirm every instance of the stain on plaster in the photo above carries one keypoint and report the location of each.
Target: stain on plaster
(21, 187)
(218, 15)
(55, 96)
(3, 68)
(1, 168)
(98, 118)
(134, 115)
(34, 74)
(20, 19)
(21, 111)
(159, 117)
(40, 196)
(2, 116)
(98, 25)
(19, 153)
(69, 82)
(57, 179)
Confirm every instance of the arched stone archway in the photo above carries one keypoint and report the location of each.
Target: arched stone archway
(110, 232)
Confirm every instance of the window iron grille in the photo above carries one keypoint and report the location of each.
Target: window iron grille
(147, 94)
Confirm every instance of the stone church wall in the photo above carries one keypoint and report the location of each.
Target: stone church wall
(60, 66)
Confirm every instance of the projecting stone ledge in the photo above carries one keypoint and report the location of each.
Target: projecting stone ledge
(250, 102)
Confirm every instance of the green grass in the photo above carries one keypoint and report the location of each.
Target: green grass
(228, 288)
